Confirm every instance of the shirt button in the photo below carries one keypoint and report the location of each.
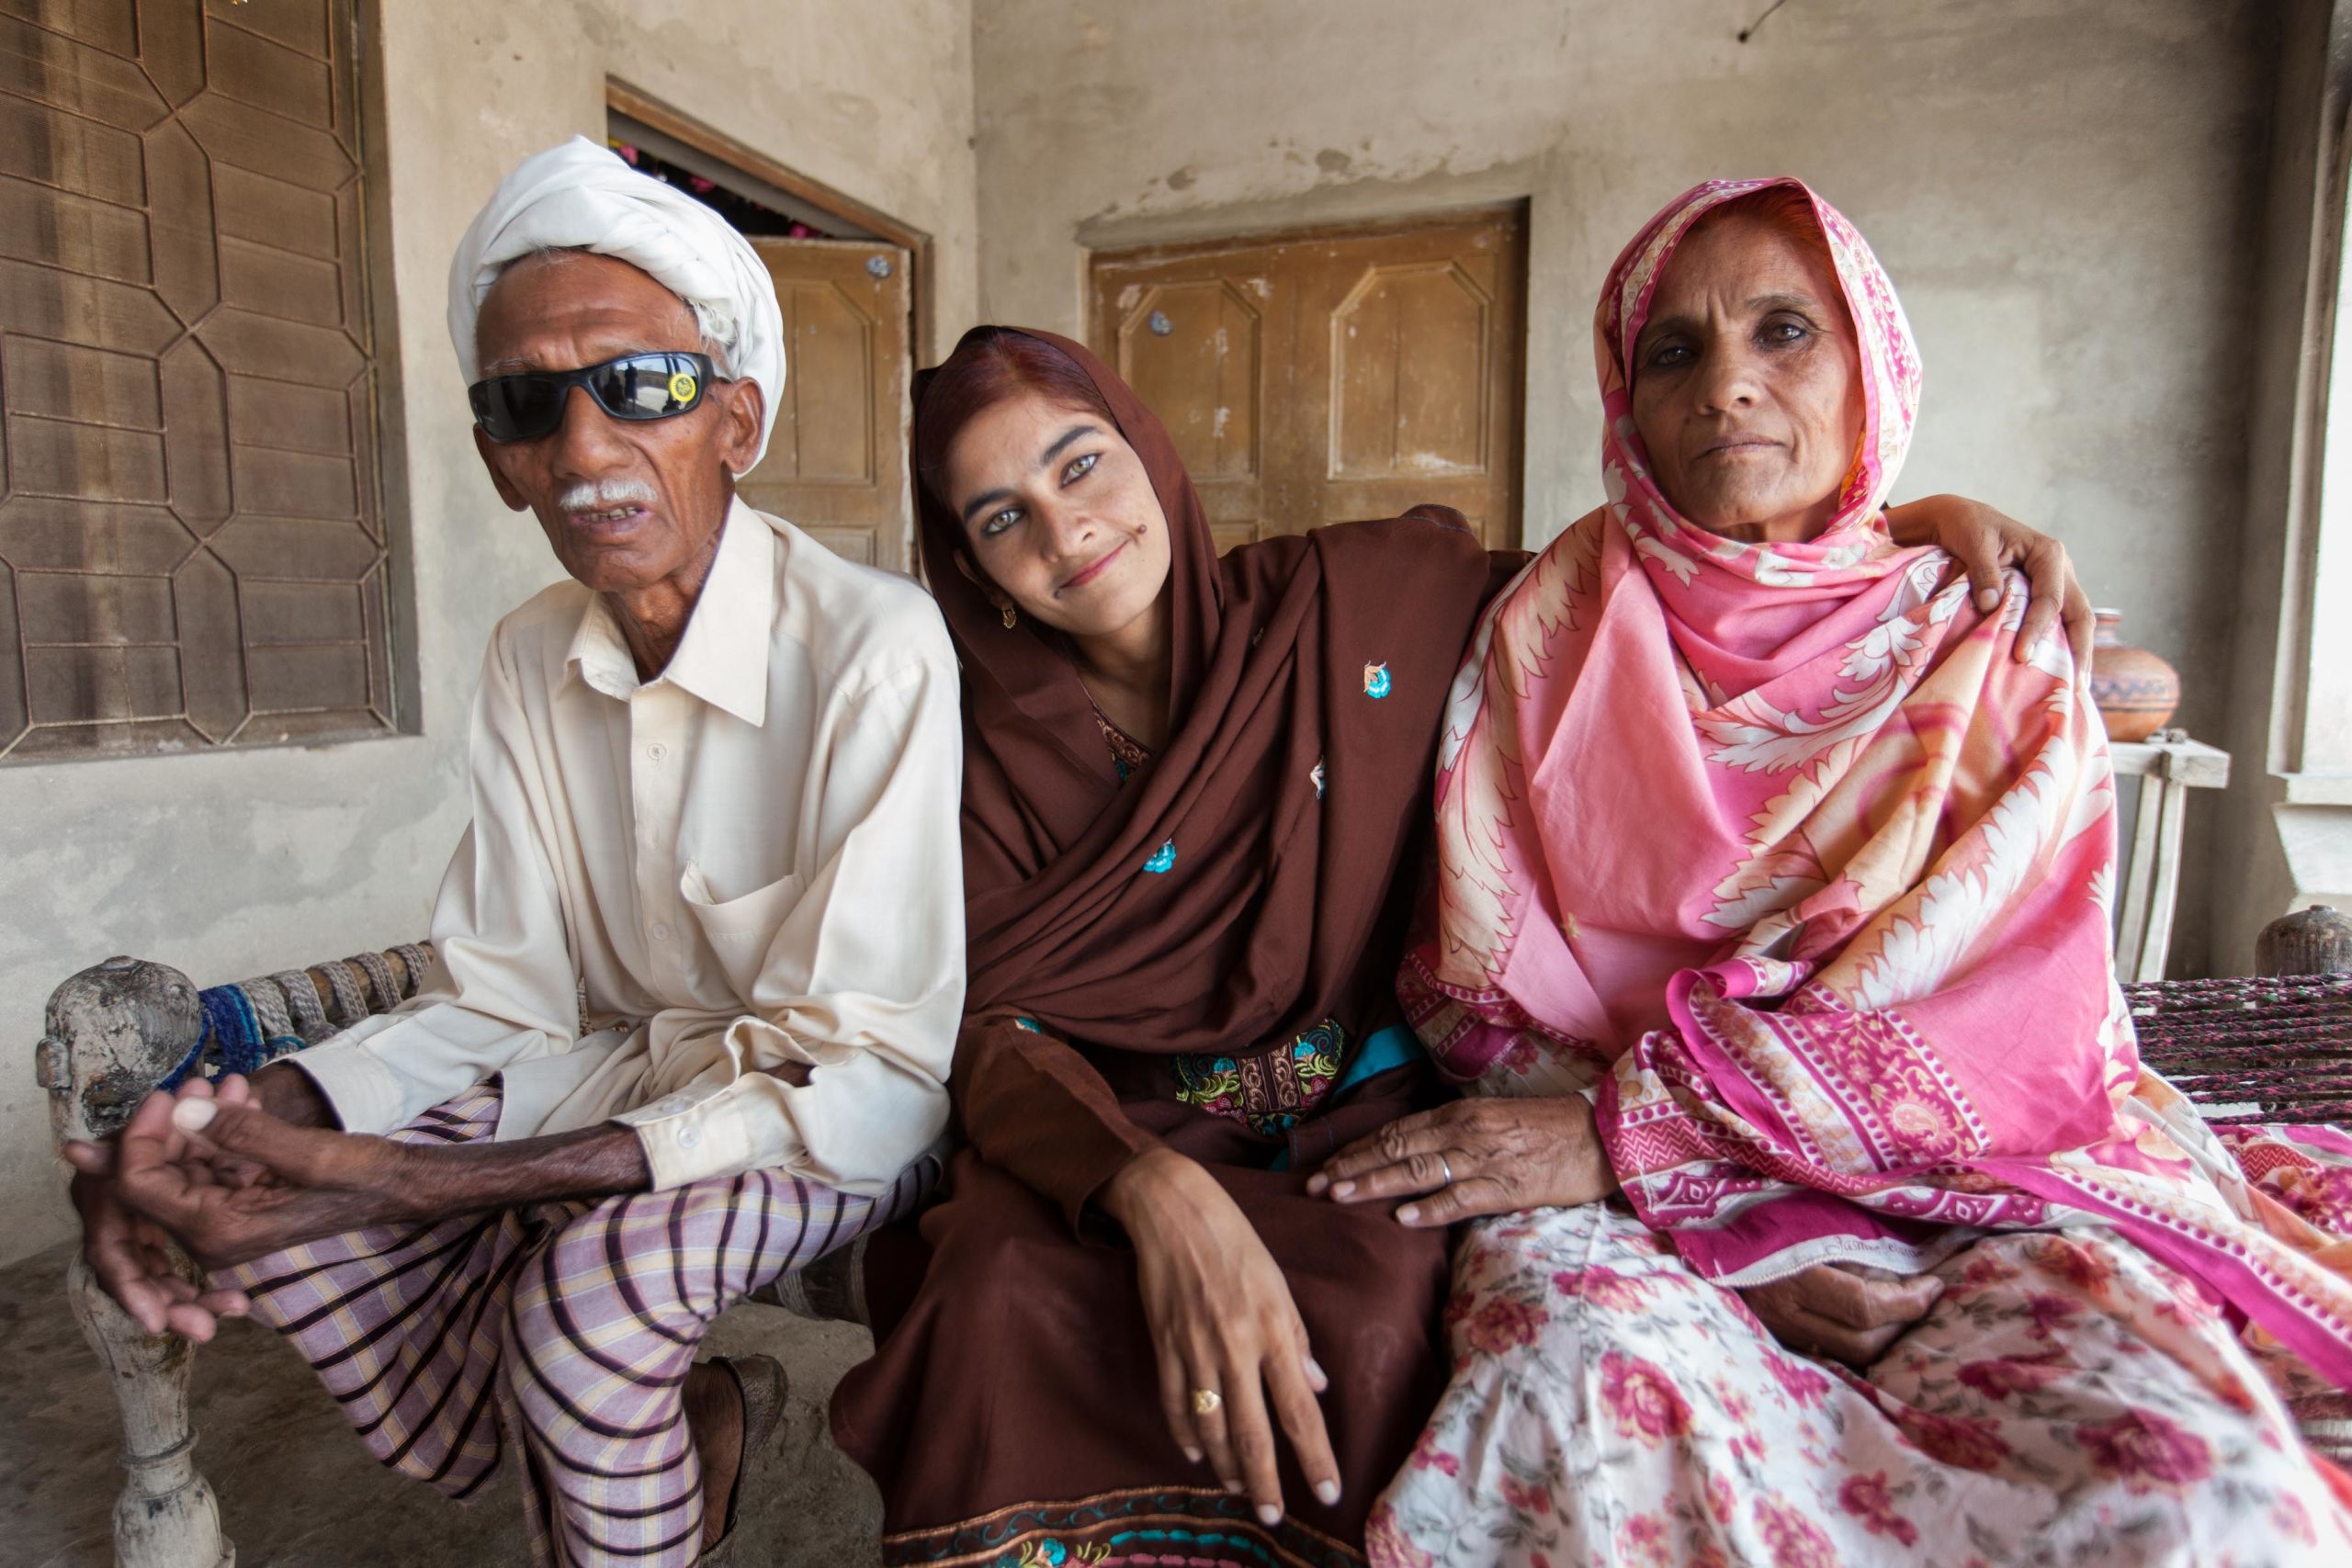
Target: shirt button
(657, 750)
(660, 932)
(673, 1105)
(689, 1137)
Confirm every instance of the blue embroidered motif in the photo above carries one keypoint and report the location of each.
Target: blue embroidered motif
(1375, 680)
(1030, 1024)
(1318, 776)
(1162, 859)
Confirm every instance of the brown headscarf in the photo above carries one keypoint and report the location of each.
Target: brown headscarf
(1227, 896)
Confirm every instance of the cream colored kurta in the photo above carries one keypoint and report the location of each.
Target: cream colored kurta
(749, 860)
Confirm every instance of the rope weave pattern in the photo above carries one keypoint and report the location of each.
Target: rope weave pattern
(2274, 1048)
(301, 999)
(269, 1006)
(252, 1022)
(415, 959)
(350, 995)
(385, 985)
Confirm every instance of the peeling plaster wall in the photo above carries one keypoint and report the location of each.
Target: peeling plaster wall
(2065, 192)
(230, 864)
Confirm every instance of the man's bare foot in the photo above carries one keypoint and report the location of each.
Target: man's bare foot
(715, 1421)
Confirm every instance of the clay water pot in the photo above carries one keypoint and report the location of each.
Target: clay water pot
(2136, 691)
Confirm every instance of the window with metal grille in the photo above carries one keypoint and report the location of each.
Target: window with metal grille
(192, 546)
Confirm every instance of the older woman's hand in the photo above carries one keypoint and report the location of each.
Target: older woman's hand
(1984, 541)
(1229, 1338)
(1478, 1156)
(1845, 1311)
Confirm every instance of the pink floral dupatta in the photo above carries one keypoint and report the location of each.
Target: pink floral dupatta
(1778, 848)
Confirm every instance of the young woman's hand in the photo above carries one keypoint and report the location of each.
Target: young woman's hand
(1229, 1338)
(1843, 1311)
(1490, 1155)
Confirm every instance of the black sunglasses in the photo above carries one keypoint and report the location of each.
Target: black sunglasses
(635, 386)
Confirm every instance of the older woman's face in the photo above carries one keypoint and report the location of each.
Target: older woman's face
(1747, 388)
(1058, 514)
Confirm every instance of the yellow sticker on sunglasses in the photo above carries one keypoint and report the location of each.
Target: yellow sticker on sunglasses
(681, 386)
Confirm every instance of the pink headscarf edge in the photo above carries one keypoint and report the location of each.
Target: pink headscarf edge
(1889, 353)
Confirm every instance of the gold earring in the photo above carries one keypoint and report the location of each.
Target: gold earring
(1010, 616)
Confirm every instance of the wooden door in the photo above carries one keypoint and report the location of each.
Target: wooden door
(1322, 377)
(836, 466)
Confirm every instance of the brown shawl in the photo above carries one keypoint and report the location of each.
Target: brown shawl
(1228, 897)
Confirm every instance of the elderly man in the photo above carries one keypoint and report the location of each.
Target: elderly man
(700, 955)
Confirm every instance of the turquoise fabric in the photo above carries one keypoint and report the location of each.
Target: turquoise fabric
(1391, 1047)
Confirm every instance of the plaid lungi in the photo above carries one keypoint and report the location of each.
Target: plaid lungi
(570, 1327)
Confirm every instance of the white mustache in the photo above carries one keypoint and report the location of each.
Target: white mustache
(602, 495)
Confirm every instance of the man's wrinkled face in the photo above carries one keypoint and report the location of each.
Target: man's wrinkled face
(625, 503)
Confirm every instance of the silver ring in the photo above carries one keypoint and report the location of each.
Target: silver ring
(1446, 1166)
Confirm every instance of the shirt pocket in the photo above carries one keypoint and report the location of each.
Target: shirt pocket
(740, 930)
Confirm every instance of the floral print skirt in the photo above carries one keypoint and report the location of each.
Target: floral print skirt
(2068, 1400)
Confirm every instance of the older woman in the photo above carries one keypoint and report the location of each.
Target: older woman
(1196, 801)
(1773, 889)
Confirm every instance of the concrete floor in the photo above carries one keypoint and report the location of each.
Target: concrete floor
(296, 1487)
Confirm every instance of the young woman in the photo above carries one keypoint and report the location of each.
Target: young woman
(1194, 804)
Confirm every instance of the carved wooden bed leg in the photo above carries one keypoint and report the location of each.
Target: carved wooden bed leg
(166, 1516)
(114, 1033)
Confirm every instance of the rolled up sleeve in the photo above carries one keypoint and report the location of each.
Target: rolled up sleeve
(502, 988)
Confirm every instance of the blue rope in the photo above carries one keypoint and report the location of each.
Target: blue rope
(232, 1040)
(179, 1075)
(235, 1029)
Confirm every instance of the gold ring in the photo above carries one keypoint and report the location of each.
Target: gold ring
(1205, 1400)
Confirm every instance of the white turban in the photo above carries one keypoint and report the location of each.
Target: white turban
(578, 196)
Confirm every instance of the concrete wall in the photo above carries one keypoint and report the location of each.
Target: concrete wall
(2286, 833)
(232, 864)
(2062, 189)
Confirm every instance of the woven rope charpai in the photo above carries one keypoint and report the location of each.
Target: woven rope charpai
(2275, 1048)
(237, 1035)
(269, 1006)
(311, 1020)
(248, 1024)
(349, 994)
(383, 986)
(415, 959)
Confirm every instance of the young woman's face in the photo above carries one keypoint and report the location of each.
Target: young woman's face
(1060, 518)
(1748, 386)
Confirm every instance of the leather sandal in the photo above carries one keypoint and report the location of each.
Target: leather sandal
(761, 1384)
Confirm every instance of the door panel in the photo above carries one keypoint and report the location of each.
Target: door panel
(1194, 351)
(836, 466)
(1322, 377)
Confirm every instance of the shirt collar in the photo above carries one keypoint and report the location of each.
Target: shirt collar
(723, 658)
